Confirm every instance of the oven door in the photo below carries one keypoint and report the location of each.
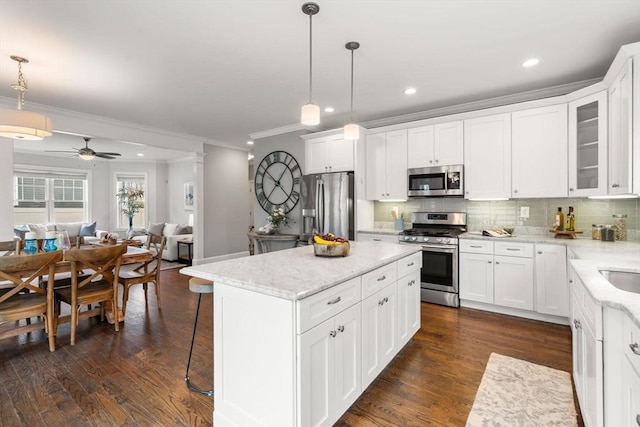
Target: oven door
(439, 268)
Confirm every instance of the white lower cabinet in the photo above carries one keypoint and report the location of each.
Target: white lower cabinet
(476, 277)
(630, 394)
(378, 332)
(408, 297)
(377, 237)
(513, 282)
(552, 291)
(330, 374)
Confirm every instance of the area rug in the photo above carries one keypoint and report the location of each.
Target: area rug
(518, 393)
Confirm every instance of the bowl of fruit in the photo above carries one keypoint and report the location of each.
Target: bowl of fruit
(330, 246)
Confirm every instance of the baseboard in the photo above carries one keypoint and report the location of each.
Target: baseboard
(559, 320)
(220, 258)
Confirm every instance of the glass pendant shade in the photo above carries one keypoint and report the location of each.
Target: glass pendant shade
(86, 156)
(310, 115)
(22, 124)
(351, 131)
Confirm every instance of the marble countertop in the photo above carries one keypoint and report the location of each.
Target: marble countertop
(592, 256)
(297, 273)
(389, 231)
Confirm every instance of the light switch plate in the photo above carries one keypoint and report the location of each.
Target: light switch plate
(524, 211)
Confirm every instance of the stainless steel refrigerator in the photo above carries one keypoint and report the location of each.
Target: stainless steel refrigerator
(327, 205)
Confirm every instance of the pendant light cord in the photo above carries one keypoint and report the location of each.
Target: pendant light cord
(310, 56)
(351, 86)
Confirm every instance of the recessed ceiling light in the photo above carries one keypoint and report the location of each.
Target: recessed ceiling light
(329, 110)
(530, 62)
(410, 91)
(250, 156)
(249, 142)
(140, 155)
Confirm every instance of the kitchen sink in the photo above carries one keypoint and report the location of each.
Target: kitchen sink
(625, 280)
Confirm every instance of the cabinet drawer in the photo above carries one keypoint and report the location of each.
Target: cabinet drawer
(323, 305)
(524, 250)
(378, 279)
(631, 342)
(476, 246)
(409, 264)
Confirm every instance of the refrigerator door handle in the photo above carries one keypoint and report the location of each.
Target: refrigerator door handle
(320, 211)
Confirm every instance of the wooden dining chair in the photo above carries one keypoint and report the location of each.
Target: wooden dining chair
(12, 247)
(101, 286)
(26, 300)
(148, 272)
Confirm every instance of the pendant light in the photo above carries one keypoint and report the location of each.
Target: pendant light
(22, 124)
(352, 130)
(310, 113)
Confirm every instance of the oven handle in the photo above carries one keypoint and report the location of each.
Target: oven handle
(440, 248)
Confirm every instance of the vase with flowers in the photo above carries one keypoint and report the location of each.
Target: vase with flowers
(276, 219)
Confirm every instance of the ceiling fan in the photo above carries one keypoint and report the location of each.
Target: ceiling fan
(87, 153)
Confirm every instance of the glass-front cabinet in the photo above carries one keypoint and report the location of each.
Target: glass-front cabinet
(588, 146)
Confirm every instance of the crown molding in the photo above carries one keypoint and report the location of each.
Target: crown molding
(280, 130)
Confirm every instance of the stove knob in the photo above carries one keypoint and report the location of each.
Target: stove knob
(413, 239)
(425, 239)
(407, 238)
(446, 240)
(439, 240)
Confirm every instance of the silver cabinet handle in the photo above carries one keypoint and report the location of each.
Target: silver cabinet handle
(577, 323)
(539, 252)
(515, 191)
(334, 301)
(515, 249)
(377, 240)
(380, 279)
(340, 328)
(497, 262)
(333, 334)
(411, 283)
(410, 264)
(614, 186)
(489, 262)
(570, 280)
(381, 302)
(386, 299)
(476, 246)
(635, 348)
(571, 189)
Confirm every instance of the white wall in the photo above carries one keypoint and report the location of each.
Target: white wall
(6, 189)
(225, 201)
(179, 172)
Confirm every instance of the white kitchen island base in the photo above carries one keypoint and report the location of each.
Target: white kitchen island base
(294, 354)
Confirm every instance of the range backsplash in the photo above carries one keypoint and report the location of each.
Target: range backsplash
(488, 214)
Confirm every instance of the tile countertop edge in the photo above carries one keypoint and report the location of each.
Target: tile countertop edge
(592, 256)
(294, 274)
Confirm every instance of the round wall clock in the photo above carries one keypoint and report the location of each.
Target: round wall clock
(277, 182)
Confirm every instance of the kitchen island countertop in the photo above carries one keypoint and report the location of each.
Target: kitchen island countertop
(294, 274)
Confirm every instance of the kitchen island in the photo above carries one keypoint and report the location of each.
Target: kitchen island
(298, 338)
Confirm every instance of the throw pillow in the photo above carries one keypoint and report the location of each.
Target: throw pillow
(184, 229)
(136, 232)
(155, 228)
(39, 229)
(88, 229)
(169, 229)
(20, 231)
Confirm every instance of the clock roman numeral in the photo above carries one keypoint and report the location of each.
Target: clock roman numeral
(296, 180)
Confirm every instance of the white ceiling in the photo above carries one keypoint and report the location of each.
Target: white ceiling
(223, 70)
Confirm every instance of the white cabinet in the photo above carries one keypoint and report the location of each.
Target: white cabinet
(552, 290)
(378, 332)
(487, 157)
(386, 165)
(621, 132)
(435, 145)
(586, 324)
(588, 146)
(377, 237)
(330, 374)
(330, 153)
(503, 277)
(408, 297)
(539, 152)
(630, 394)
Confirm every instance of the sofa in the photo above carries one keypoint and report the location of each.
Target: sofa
(87, 231)
(173, 233)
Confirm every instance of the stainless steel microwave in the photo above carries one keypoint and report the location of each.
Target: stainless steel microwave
(436, 181)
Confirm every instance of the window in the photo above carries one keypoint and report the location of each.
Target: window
(137, 181)
(47, 197)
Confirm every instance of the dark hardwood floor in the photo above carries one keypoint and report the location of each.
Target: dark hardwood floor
(136, 376)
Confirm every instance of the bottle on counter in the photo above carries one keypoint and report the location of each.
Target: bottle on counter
(559, 224)
(571, 220)
(620, 222)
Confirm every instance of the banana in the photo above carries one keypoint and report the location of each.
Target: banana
(319, 240)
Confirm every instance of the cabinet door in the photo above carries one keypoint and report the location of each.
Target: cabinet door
(539, 152)
(448, 143)
(408, 307)
(592, 412)
(316, 156)
(317, 375)
(588, 146)
(348, 383)
(630, 394)
(577, 346)
(552, 291)
(487, 157)
(420, 147)
(341, 154)
(476, 277)
(513, 282)
(388, 326)
(376, 166)
(620, 132)
(396, 165)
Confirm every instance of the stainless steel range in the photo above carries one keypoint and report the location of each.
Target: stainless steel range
(437, 233)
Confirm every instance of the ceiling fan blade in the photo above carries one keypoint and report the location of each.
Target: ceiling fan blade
(104, 156)
(59, 151)
(108, 154)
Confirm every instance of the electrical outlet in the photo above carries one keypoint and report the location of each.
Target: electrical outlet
(524, 211)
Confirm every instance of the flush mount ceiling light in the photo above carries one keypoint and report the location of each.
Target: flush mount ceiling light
(22, 124)
(310, 113)
(352, 131)
(410, 91)
(329, 110)
(530, 62)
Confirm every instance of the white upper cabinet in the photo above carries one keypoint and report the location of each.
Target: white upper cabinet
(588, 146)
(539, 152)
(386, 165)
(487, 157)
(330, 153)
(620, 132)
(437, 145)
